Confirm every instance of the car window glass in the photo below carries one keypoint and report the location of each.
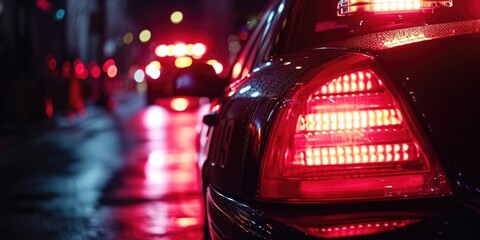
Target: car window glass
(243, 64)
(314, 22)
(270, 34)
(242, 57)
(258, 43)
(263, 43)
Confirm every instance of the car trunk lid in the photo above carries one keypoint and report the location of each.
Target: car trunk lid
(441, 79)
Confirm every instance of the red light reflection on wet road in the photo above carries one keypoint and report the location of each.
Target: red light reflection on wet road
(166, 220)
(160, 185)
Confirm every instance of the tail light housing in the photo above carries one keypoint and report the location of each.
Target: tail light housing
(344, 134)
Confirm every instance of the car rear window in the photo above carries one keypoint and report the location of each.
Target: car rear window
(315, 22)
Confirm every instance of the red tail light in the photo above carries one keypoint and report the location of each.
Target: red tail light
(360, 229)
(343, 135)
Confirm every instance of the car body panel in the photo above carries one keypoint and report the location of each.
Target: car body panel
(444, 93)
(274, 80)
(432, 72)
(249, 111)
(253, 116)
(434, 219)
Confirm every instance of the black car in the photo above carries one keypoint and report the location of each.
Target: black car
(350, 119)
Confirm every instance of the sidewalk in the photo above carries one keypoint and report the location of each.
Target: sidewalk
(24, 147)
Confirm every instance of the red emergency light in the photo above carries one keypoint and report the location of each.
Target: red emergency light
(347, 7)
(196, 50)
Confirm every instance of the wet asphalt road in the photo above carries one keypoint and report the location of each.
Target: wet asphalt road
(125, 174)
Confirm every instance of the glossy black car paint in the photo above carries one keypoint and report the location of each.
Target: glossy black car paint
(236, 176)
(444, 92)
(436, 77)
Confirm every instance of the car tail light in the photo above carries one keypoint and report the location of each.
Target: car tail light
(344, 135)
(179, 104)
(359, 229)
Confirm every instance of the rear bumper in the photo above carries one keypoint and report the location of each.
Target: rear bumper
(229, 219)
(431, 219)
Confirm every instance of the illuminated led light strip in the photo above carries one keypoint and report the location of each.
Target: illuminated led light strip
(357, 154)
(347, 7)
(359, 81)
(349, 120)
(358, 229)
(196, 50)
(397, 5)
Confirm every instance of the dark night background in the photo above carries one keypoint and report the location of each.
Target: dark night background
(82, 156)
(91, 30)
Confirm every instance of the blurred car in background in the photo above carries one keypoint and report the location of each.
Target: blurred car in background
(160, 72)
(345, 119)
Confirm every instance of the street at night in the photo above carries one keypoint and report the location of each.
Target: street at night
(239, 119)
(94, 144)
(125, 174)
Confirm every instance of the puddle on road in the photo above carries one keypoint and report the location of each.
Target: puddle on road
(175, 219)
(157, 195)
